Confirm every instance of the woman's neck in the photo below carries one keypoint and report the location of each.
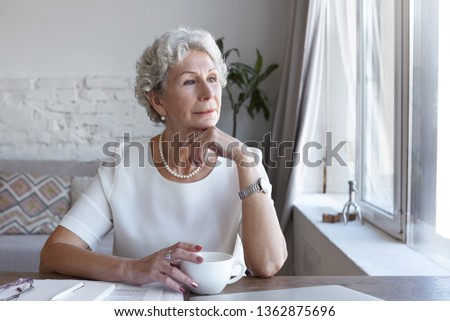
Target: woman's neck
(177, 151)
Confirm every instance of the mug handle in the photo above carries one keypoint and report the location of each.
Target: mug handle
(240, 274)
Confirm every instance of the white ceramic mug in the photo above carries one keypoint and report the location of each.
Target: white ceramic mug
(213, 274)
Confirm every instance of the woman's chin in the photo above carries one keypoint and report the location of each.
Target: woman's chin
(207, 123)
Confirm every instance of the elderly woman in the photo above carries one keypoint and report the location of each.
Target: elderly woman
(201, 189)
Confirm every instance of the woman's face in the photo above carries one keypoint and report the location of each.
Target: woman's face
(193, 95)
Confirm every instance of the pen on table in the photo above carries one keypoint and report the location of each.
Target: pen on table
(68, 291)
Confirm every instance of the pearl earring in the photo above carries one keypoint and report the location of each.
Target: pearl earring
(163, 118)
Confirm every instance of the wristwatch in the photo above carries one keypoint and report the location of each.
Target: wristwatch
(261, 186)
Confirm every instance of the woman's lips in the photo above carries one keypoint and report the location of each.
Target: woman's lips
(205, 112)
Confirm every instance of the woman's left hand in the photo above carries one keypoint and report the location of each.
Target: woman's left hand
(163, 266)
(216, 140)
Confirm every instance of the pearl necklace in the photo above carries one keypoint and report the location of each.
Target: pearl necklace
(170, 170)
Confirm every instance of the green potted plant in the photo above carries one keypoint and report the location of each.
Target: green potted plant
(243, 85)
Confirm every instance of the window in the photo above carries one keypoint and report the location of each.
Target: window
(381, 107)
(390, 104)
(429, 228)
(402, 114)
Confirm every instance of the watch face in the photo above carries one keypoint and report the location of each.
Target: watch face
(265, 185)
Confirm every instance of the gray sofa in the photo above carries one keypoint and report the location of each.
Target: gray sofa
(21, 252)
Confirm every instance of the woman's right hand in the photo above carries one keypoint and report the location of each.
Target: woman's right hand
(164, 266)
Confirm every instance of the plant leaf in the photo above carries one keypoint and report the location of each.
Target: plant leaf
(253, 105)
(242, 98)
(265, 106)
(219, 43)
(268, 71)
(259, 62)
(227, 53)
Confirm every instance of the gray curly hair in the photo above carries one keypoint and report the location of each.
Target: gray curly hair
(169, 50)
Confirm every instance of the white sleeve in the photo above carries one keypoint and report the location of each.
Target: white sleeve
(91, 217)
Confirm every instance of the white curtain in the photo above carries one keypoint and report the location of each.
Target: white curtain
(339, 106)
(297, 107)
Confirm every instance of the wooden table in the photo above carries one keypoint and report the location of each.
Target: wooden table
(391, 288)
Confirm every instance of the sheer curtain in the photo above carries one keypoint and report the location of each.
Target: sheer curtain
(297, 108)
(339, 96)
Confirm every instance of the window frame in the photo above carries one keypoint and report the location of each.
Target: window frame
(422, 235)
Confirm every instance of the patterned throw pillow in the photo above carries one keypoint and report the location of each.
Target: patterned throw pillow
(32, 204)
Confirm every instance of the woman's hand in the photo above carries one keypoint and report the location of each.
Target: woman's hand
(216, 140)
(164, 266)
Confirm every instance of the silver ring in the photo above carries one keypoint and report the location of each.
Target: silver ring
(169, 255)
(198, 135)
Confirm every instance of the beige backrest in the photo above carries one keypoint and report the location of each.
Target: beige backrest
(50, 167)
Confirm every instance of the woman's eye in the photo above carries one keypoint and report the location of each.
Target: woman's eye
(212, 79)
(189, 82)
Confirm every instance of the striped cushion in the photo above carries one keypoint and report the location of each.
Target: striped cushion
(32, 204)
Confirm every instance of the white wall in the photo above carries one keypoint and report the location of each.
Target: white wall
(67, 67)
(315, 254)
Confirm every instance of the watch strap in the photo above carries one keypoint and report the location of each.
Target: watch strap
(249, 190)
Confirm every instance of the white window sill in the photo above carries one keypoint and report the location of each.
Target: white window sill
(339, 249)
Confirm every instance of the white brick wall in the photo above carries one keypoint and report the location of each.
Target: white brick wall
(68, 118)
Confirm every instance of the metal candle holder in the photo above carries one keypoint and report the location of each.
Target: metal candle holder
(351, 203)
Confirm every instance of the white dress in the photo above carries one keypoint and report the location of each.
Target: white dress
(149, 212)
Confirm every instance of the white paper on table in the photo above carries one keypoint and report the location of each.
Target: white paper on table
(149, 292)
(45, 289)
